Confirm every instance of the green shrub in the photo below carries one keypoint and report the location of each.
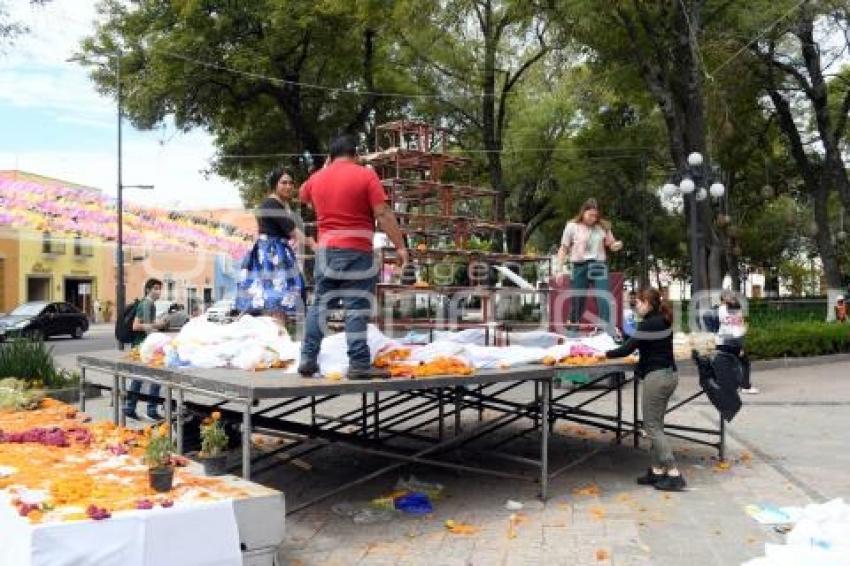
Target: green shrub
(33, 363)
(797, 339)
(764, 312)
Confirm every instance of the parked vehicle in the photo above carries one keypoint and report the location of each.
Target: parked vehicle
(39, 320)
(221, 311)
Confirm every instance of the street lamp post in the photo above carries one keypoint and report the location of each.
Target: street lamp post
(120, 287)
(692, 188)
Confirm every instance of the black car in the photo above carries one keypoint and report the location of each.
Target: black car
(39, 320)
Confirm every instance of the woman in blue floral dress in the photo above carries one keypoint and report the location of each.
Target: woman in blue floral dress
(270, 280)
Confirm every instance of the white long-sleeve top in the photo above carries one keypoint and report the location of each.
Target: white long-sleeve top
(732, 325)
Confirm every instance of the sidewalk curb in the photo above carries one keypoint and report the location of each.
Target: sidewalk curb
(688, 367)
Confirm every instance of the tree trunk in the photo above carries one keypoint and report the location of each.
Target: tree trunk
(823, 237)
(490, 133)
(715, 267)
(680, 101)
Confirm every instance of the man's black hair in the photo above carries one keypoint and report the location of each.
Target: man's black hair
(150, 284)
(343, 146)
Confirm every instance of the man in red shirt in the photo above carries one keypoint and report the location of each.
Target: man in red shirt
(348, 198)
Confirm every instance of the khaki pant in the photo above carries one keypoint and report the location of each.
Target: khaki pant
(658, 386)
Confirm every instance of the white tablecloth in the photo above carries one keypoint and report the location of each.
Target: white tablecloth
(192, 535)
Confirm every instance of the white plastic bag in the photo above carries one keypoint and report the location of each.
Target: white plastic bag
(153, 344)
(333, 355)
(492, 357)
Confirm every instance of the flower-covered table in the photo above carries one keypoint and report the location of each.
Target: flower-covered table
(76, 492)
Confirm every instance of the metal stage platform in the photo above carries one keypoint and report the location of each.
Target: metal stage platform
(404, 420)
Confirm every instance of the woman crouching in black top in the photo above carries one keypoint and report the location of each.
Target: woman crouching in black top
(657, 368)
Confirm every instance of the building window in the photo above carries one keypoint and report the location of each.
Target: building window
(169, 290)
(51, 245)
(82, 247)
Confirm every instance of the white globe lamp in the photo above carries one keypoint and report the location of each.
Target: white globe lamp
(717, 190)
(695, 159)
(702, 194)
(687, 186)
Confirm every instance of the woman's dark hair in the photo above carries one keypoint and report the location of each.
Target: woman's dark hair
(731, 299)
(591, 204)
(657, 303)
(274, 176)
(343, 146)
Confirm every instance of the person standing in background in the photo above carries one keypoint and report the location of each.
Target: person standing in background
(585, 241)
(840, 309)
(731, 332)
(144, 323)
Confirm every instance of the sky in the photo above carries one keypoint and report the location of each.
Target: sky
(54, 123)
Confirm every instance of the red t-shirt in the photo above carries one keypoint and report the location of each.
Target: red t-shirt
(343, 195)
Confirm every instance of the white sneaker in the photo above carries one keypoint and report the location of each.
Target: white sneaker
(750, 391)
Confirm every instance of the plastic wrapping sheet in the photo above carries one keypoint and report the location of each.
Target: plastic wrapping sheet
(820, 537)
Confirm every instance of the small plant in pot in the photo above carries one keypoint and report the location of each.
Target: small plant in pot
(213, 444)
(158, 458)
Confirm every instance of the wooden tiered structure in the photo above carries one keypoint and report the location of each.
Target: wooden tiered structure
(438, 210)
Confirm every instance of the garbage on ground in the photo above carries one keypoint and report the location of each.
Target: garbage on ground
(364, 514)
(597, 512)
(820, 537)
(411, 497)
(590, 490)
(512, 505)
(769, 514)
(414, 504)
(413, 484)
(458, 528)
(514, 521)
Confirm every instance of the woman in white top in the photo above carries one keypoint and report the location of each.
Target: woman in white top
(731, 331)
(586, 238)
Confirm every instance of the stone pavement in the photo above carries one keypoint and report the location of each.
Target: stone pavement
(786, 447)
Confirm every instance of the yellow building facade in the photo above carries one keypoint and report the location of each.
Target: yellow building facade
(36, 266)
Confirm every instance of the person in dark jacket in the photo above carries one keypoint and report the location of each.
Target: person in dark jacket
(657, 369)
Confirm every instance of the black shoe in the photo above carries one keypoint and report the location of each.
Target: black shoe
(131, 415)
(308, 369)
(671, 483)
(368, 373)
(650, 478)
(153, 416)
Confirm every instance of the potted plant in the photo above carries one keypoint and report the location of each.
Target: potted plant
(213, 443)
(158, 458)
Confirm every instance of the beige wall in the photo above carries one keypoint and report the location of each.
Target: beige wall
(186, 270)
